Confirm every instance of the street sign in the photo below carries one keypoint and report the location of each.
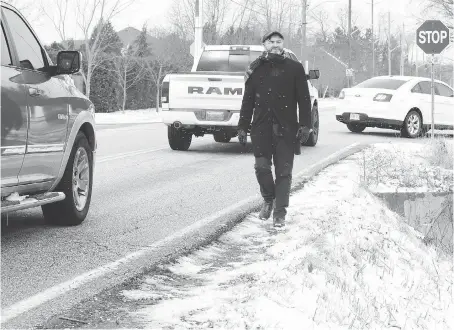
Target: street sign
(432, 37)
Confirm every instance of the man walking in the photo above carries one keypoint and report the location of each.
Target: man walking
(275, 84)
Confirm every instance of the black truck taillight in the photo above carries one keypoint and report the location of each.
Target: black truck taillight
(165, 92)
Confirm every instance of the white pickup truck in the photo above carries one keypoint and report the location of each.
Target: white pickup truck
(208, 99)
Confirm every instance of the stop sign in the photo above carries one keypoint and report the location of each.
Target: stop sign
(432, 37)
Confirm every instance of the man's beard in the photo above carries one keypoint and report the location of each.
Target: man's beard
(276, 50)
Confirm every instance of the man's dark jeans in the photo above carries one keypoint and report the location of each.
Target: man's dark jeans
(283, 155)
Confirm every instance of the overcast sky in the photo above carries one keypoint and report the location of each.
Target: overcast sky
(155, 13)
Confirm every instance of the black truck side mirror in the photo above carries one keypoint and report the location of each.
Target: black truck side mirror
(68, 61)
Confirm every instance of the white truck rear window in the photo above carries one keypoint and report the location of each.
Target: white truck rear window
(226, 60)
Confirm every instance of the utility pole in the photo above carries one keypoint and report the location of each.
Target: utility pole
(373, 42)
(303, 28)
(416, 61)
(440, 63)
(349, 37)
(198, 33)
(389, 42)
(402, 51)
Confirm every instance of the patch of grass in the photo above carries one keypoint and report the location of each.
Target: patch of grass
(426, 164)
(441, 152)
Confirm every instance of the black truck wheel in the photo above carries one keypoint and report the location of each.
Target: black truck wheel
(76, 183)
(313, 137)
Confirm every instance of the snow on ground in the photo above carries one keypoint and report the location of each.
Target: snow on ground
(421, 167)
(328, 102)
(128, 117)
(344, 261)
(151, 116)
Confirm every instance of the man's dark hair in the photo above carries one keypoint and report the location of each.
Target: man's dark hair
(271, 34)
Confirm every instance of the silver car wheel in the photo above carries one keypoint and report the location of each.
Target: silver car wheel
(413, 124)
(81, 178)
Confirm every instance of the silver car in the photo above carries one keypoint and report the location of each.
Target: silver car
(47, 125)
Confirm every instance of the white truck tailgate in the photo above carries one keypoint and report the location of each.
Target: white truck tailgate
(202, 91)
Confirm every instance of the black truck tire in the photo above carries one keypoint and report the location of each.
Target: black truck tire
(313, 137)
(74, 208)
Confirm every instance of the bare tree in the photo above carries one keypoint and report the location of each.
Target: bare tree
(246, 16)
(215, 15)
(182, 12)
(128, 69)
(171, 57)
(181, 16)
(88, 11)
(321, 18)
(238, 16)
(251, 15)
(220, 15)
(283, 8)
(265, 9)
(59, 18)
(342, 16)
(445, 7)
(91, 15)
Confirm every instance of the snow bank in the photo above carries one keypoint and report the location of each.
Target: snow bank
(151, 116)
(344, 261)
(128, 117)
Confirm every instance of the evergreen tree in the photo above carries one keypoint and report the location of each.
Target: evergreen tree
(140, 96)
(105, 93)
(53, 50)
(108, 40)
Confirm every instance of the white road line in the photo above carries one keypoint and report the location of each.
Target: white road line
(60, 289)
(127, 154)
(135, 153)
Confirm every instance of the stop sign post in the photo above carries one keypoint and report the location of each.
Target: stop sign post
(432, 37)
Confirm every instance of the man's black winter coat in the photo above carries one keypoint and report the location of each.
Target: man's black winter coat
(272, 94)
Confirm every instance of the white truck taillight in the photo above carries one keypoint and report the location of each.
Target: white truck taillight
(165, 92)
(382, 97)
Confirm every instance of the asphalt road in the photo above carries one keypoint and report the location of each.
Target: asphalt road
(143, 192)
